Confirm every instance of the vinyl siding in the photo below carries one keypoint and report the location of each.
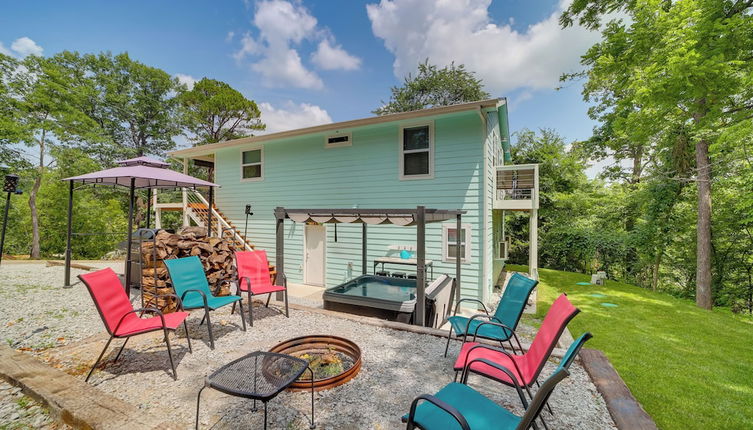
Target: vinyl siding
(301, 173)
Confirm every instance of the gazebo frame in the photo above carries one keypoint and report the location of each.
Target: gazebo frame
(420, 215)
(136, 173)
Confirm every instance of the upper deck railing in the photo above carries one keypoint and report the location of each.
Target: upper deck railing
(517, 187)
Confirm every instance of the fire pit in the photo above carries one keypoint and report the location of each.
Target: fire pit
(334, 360)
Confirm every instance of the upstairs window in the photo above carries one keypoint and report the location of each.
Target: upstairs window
(450, 241)
(251, 164)
(417, 152)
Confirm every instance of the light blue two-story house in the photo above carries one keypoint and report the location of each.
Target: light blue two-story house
(449, 157)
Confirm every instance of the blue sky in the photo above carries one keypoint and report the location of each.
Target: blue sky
(307, 62)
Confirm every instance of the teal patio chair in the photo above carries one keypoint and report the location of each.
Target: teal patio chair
(458, 406)
(500, 326)
(190, 284)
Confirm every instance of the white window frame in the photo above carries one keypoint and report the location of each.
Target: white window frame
(339, 144)
(402, 152)
(445, 243)
(260, 163)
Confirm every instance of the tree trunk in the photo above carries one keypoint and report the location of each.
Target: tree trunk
(703, 229)
(35, 248)
(655, 271)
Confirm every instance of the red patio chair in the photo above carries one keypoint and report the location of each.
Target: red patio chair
(518, 371)
(120, 317)
(254, 279)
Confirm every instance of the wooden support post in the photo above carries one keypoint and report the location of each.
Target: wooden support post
(209, 211)
(533, 245)
(67, 282)
(148, 207)
(420, 313)
(364, 249)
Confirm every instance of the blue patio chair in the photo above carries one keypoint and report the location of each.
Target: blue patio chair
(500, 326)
(458, 406)
(190, 284)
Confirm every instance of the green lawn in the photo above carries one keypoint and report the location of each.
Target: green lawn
(689, 368)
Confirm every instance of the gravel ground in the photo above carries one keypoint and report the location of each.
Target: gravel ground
(18, 411)
(397, 365)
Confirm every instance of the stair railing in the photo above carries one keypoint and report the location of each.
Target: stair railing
(221, 225)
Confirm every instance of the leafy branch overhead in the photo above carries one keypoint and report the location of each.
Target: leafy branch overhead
(432, 87)
(214, 112)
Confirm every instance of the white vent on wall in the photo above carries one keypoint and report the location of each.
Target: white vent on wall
(337, 140)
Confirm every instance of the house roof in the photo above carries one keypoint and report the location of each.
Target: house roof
(210, 148)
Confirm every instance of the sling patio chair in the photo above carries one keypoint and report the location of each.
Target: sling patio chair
(505, 318)
(520, 371)
(120, 317)
(190, 283)
(254, 279)
(458, 406)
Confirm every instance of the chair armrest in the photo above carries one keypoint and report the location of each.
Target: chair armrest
(284, 279)
(154, 297)
(203, 296)
(499, 350)
(441, 405)
(497, 366)
(142, 310)
(457, 305)
(468, 325)
(495, 323)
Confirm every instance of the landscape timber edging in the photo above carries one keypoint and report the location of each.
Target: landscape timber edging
(71, 400)
(625, 410)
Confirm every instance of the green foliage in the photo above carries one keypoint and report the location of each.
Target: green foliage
(433, 87)
(671, 354)
(213, 112)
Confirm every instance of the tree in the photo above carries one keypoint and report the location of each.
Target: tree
(433, 87)
(44, 115)
(134, 105)
(214, 112)
(674, 64)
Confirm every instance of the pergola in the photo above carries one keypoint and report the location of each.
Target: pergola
(136, 173)
(419, 217)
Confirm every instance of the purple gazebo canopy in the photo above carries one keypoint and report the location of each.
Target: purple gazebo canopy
(146, 172)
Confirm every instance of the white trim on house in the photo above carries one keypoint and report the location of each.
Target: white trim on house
(468, 243)
(348, 142)
(402, 116)
(402, 152)
(259, 148)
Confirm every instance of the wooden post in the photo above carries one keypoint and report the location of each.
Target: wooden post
(279, 248)
(420, 313)
(148, 207)
(364, 249)
(459, 256)
(209, 211)
(128, 238)
(67, 283)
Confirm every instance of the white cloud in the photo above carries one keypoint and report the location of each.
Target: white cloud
(229, 37)
(282, 26)
(291, 116)
(187, 80)
(462, 31)
(24, 46)
(330, 57)
(4, 50)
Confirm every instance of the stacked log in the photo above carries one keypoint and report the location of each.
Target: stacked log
(216, 255)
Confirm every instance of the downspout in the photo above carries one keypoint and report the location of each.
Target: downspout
(504, 131)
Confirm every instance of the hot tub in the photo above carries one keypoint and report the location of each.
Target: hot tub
(390, 298)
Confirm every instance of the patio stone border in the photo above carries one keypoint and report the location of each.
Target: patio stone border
(626, 412)
(73, 401)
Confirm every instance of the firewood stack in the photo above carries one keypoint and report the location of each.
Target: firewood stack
(215, 253)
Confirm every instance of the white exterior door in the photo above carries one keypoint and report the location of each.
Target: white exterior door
(315, 238)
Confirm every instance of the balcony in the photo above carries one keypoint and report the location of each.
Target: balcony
(517, 187)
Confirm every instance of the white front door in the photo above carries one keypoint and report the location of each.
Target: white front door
(314, 242)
